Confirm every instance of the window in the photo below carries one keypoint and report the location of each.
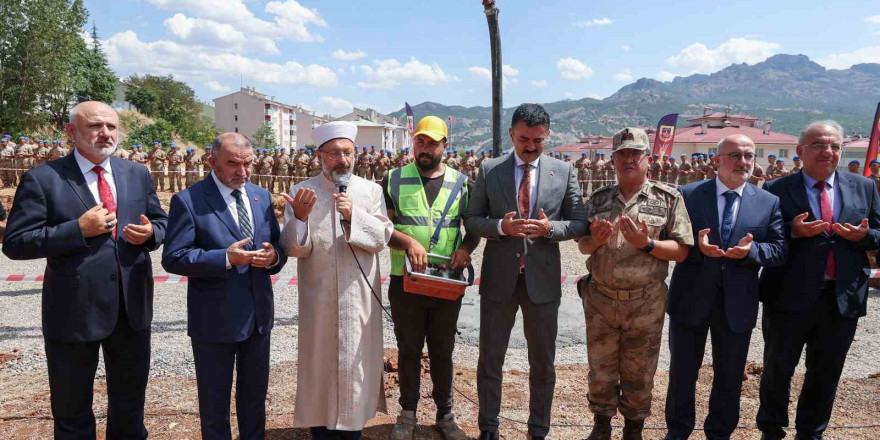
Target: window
(236, 105)
(236, 117)
(783, 153)
(236, 129)
(759, 152)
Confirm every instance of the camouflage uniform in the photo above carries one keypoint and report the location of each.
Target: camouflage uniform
(711, 170)
(383, 164)
(876, 179)
(43, 154)
(266, 165)
(7, 163)
(26, 158)
(672, 176)
(362, 167)
(625, 299)
(139, 156)
(206, 167)
(175, 170)
(157, 168)
(470, 167)
(583, 176)
(667, 167)
(282, 171)
(598, 177)
(757, 175)
(121, 153)
(58, 151)
(314, 166)
(685, 170)
(192, 169)
(655, 170)
(301, 166)
(374, 157)
(699, 172)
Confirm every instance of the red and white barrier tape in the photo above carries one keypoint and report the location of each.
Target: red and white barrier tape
(566, 280)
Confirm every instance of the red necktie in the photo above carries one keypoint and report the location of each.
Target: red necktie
(525, 199)
(828, 217)
(105, 193)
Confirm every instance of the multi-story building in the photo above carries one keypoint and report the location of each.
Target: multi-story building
(246, 110)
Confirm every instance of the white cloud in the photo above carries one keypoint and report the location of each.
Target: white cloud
(128, 54)
(340, 54)
(291, 20)
(540, 84)
(508, 74)
(213, 34)
(568, 95)
(698, 58)
(870, 54)
(604, 21)
(387, 74)
(625, 76)
(873, 19)
(573, 69)
(217, 87)
(626, 48)
(335, 105)
(665, 76)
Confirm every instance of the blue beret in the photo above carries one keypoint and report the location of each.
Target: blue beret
(173, 145)
(771, 155)
(875, 161)
(780, 161)
(5, 140)
(304, 148)
(854, 162)
(567, 155)
(373, 146)
(655, 156)
(796, 158)
(155, 142)
(209, 147)
(711, 154)
(584, 153)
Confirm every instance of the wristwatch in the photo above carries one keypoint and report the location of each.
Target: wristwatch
(650, 247)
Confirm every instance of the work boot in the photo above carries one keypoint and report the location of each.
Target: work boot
(405, 427)
(632, 429)
(449, 429)
(601, 428)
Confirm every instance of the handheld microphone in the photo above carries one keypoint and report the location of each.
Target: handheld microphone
(342, 182)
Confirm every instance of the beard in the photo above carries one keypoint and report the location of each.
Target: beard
(340, 171)
(427, 166)
(103, 151)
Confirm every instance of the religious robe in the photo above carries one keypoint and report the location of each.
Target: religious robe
(340, 381)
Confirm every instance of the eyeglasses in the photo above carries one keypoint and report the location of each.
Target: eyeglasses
(337, 156)
(736, 157)
(817, 147)
(633, 155)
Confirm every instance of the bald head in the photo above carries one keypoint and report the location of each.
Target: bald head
(93, 129)
(729, 143)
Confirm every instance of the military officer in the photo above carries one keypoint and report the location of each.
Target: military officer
(7, 163)
(599, 172)
(157, 166)
(797, 164)
(655, 169)
(685, 170)
(583, 172)
(175, 169)
(314, 164)
(383, 163)
(853, 166)
(193, 160)
(637, 227)
(282, 166)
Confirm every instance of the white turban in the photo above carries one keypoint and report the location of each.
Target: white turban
(334, 130)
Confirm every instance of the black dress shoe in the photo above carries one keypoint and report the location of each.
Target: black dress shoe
(486, 435)
(770, 437)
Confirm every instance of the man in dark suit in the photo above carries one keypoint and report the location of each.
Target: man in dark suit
(816, 298)
(524, 204)
(738, 230)
(98, 283)
(223, 235)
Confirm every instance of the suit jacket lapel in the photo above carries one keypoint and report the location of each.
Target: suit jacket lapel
(847, 189)
(747, 205)
(798, 194)
(507, 182)
(710, 211)
(77, 181)
(545, 181)
(256, 209)
(220, 208)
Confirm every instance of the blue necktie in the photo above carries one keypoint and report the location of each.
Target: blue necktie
(727, 220)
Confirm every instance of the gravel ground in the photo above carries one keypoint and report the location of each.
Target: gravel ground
(172, 355)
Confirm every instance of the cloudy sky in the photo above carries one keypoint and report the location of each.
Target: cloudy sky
(331, 55)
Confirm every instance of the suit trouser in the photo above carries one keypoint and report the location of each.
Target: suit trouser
(418, 318)
(623, 348)
(827, 337)
(72, 367)
(214, 364)
(729, 353)
(540, 328)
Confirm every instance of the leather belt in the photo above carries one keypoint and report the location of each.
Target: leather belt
(623, 294)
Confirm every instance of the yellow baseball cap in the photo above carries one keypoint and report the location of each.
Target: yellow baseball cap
(433, 127)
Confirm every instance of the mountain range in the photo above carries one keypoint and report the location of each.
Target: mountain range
(789, 90)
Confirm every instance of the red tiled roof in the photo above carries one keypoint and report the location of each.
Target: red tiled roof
(715, 134)
(856, 143)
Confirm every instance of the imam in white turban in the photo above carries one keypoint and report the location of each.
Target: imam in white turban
(334, 130)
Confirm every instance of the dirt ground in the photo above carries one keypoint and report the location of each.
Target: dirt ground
(172, 409)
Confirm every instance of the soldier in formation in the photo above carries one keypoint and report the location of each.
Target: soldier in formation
(175, 169)
(158, 158)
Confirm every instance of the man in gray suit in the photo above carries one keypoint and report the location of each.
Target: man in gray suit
(524, 204)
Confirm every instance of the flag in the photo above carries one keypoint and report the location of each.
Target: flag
(410, 126)
(665, 136)
(874, 142)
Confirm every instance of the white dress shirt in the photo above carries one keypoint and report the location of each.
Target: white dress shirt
(518, 174)
(86, 166)
(226, 193)
(720, 189)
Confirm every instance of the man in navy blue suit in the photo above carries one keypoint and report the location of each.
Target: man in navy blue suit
(738, 229)
(98, 284)
(223, 235)
(815, 299)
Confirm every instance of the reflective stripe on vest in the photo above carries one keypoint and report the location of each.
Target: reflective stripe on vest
(413, 216)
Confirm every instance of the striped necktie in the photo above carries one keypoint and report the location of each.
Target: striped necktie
(244, 220)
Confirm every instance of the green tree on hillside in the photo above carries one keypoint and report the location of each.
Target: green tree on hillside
(264, 137)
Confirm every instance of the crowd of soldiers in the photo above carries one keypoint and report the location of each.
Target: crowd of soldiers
(276, 170)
